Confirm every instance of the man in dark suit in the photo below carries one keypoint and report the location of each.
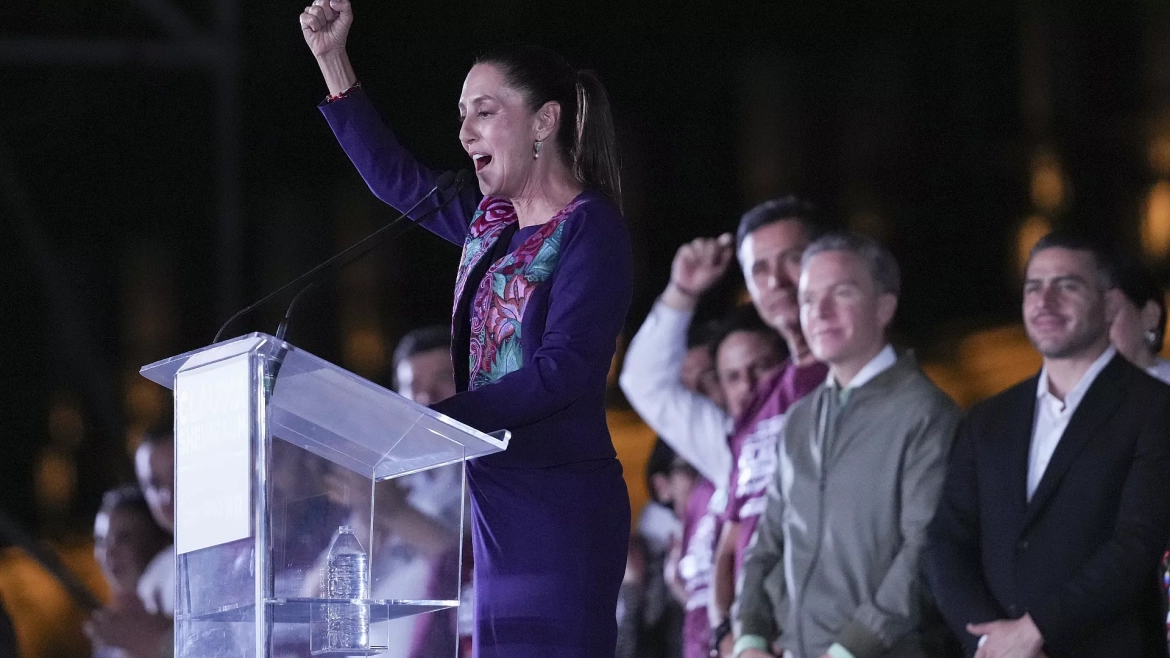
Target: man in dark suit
(1056, 506)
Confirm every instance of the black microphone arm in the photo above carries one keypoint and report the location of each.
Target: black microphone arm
(444, 181)
(371, 242)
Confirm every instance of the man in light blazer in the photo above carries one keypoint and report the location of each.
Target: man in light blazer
(1056, 506)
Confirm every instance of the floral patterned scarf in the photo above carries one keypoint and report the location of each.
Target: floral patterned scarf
(497, 311)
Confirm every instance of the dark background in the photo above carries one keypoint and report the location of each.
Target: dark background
(938, 126)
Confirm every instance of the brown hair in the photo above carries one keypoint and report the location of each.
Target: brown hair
(587, 143)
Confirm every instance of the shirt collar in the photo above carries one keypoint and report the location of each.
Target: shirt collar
(876, 366)
(1073, 398)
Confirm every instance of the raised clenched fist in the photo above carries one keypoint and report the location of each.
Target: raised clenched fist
(325, 25)
(699, 264)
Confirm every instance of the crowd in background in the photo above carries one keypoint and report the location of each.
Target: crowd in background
(798, 476)
(824, 499)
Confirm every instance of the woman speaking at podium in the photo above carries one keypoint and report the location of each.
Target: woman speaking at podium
(541, 294)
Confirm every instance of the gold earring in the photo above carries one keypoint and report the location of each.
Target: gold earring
(536, 149)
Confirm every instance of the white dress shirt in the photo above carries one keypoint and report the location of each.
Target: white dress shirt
(156, 586)
(1053, 415)
(876, 366)
(693, 425)
(1160, 370)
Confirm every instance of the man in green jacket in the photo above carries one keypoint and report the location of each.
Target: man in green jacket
(834, 567)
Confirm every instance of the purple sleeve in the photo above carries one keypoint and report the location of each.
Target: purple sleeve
(588, 301)
(391, 172)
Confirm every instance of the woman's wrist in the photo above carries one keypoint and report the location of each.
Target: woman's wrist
(338, 72)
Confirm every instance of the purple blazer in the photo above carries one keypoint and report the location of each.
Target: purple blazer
(554, 404)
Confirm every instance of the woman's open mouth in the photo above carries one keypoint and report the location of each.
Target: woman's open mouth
(481, 161)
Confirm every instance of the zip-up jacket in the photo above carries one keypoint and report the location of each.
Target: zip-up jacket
(836, 557)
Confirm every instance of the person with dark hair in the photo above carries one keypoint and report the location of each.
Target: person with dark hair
(126, 538)
(541, 295)
(146, 619)
(698, 372)
(769, 242)
(746, 353)
(1139, 328)
(664, 522)
(658, 622)
(422, 365)
(424, 373)
(687, 568)
(833, 569)
(154, 463)
(1054, 513)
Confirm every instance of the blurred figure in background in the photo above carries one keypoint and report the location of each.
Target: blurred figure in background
(154, 464)
(422, 365)
(126, 539)
(1139, 327)
(143, 624)
(688, 566)
(745, 352)
(768, 244)
(423, 372)
(650, 621)
(698, 373)
(631, 598)
(654, 627)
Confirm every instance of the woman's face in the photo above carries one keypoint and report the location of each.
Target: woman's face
(498, 131)
(1127, 333)
(125, 540)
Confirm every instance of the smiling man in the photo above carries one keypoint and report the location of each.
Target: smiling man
(1055, 510)
(734, 448)
(834, 566)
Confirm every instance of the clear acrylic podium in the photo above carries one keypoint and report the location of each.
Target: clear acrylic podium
(275, 450)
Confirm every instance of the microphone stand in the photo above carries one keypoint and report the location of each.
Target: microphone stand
(460, 182)
(444, 181)
(344, 259)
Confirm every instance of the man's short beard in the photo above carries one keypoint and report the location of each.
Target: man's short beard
(1076, 344)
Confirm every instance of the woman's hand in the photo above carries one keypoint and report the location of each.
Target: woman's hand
(325, 25)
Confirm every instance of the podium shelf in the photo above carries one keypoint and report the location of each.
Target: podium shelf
(300, 610)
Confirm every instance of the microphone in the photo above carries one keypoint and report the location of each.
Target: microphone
(461, 179)
(444, 181)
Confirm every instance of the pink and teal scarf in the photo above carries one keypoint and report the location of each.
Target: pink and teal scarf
(497, 311)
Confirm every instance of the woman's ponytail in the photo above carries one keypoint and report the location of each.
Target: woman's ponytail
(594, 153)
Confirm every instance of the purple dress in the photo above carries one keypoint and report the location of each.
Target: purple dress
(536, 319)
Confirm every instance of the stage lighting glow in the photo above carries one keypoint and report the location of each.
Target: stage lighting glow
(1156, 221)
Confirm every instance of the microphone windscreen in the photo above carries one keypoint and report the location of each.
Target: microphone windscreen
(445, 180)
(464, 178)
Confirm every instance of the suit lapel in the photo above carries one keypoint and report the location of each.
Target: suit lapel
(1103, 397)
(1019, 436)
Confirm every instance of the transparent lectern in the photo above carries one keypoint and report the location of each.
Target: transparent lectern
(316, 513)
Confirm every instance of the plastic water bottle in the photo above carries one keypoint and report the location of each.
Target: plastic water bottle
(347, 577)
